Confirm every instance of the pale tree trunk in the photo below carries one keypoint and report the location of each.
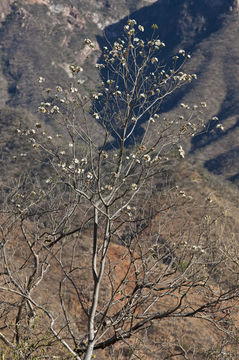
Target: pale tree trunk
(89, 352)
(97, 277)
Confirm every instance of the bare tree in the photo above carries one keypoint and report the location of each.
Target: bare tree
(106, 177)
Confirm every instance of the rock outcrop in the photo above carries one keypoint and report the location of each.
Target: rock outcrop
(236, 4)
(5, 7)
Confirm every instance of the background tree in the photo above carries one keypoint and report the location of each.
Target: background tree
(106, 175)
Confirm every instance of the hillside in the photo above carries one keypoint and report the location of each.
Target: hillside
(43, 38)
(209, 32)
(107, 251)
(200, 210)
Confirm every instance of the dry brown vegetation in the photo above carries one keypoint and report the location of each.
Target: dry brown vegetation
(211, 335)
(112, 244)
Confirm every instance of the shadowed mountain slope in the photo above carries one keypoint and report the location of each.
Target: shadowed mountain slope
(209, 31)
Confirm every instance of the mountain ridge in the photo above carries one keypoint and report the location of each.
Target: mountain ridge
(44, 38)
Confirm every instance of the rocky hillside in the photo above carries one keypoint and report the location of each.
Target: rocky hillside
(5, 8)
(43, 37)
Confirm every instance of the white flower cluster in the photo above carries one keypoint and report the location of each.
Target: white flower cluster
(96, 115)
(129, 28)
(117, 93)
(154, 60)
(108, 187)
(198, 248)
(185, 77)
(73, 89)
(89, 175)
(120, 51)
(59, 88)
(182, 193)
(99, 66)
(55, 109)
(89, 43)
(181, 151)
(143, 95)
(75, 68)
(46, 108)
(76, 166)
(117, 51)
(147, 157)
(158, 43)
(132, 22)
(183, 53)
(220, 126)
(41, 79)
(97, 95)
(110, 82)
(185, 106)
